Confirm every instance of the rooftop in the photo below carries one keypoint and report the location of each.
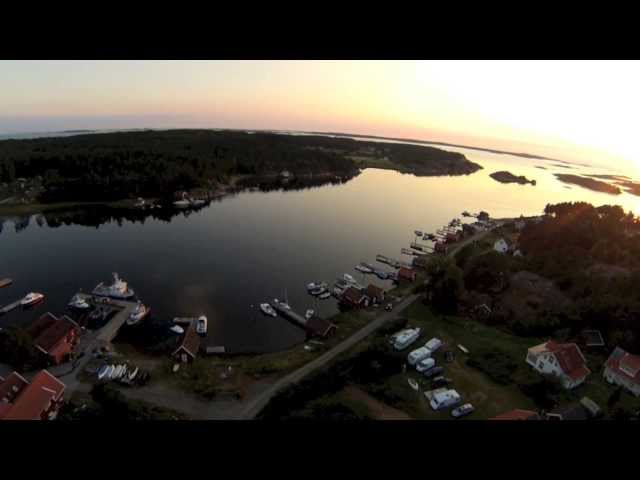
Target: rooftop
(35, 398)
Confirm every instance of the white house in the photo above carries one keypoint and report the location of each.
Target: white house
(501, 246)
(563, 360)
(623, 368)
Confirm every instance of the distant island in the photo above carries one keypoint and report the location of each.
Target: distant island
(508, 177)
(590, 183)
(107, 167)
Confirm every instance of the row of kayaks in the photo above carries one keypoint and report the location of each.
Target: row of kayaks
(116, 372)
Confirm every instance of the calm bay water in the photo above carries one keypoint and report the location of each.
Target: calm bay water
(251, 247)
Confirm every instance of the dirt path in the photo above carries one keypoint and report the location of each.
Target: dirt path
(379, 410)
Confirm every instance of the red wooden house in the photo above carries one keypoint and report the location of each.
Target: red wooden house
(39, 399)
(55, 337)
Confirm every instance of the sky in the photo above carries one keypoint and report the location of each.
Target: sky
(583, 111)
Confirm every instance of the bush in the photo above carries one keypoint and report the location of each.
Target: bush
(495, 363)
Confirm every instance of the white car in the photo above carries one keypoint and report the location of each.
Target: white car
(462, 410)
(425, 364)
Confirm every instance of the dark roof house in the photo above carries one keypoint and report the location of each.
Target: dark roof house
(189, 346)
(54, 337)
(353, 296)
(375, 293)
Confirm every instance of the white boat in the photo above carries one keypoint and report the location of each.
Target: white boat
(324, 296)
(418, 233)
(119, 289)
(177, 329)
(363, 269)
(337, 291)
(138, 313)
(283, 305)
(413, 384)
(103, 371)
(31, 299)
(314, 285)
(318, 291)
(115, 372)
(78, 302)
(268, 310)
(133, 374)
(348, 278)
(309, 313)
(123, 372)
(198, 202)
(201, 325)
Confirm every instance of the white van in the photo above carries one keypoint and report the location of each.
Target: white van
(425, 364)
(405, 339)
(445, 399)
(418, 355)
(433, 344)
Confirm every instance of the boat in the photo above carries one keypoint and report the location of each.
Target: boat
(382, 275)
(314, 285)
(348, 278)
(198, 202)
(283, 305)
(309, 313)
(413, 384)
(138, 313)
(268, 310)
(123, 372)
(31, 299)
(103, 371)
(201, 325)
(466, 214)
(78, 302)
(177, 329)
(418, 233)
(115, 372)
(5, 282)
(119, 289)
(318, 291)
(337, 291)
(363, 269)
(324, 295)
(133, 374)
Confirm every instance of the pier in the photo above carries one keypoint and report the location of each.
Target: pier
(11, 306)
(315, 325)
(392, 261)
(109, 331)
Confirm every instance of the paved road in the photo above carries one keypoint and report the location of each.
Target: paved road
(257, 404)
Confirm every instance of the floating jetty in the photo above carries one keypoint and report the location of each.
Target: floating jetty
(314, 325)
(5, 282)
(11, 306)
(392, 261)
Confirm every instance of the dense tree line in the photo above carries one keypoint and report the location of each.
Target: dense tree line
(117, 165)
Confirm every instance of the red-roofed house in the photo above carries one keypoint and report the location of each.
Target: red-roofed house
(55, 337)
(188, 349)
(406, 275)
(354, 297)
(564, 360)
(517, 414)
(39, 399)
(623, 369)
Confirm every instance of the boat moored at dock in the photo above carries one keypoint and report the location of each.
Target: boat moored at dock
(78, 302)
(5, 282)
(201, 325)
(31, 299)
(138, 313)
(119, 289)
(268, 310)
(314, 285)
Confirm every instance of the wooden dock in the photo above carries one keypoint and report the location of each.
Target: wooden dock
(109, 331)
(5, 282)
(11, 306)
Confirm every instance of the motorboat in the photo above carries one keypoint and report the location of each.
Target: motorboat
(177, 329)
(201, 325)
(348, 278)
(268, 310)
(283, 305)
(382, 275)
(119, 289)
(318, 291)
(324, 296)
(314, 285)
(123, 372)
(309, 313)
(103, 371)
(133, 374)
(363, 269)
(115, 372)
(78, 302)
(413, 384)
(418, 233)
(138, 313)
(31, 299)
(337, 291)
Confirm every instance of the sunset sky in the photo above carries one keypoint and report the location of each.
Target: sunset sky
(582, 111)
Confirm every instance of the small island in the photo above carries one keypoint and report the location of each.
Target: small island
(589, 183)
(508, 177)
(630, 186)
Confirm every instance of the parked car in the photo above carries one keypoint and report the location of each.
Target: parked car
(433, 372)
(425, 365)
(440, 382)
(388, 307)
(462, 410)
